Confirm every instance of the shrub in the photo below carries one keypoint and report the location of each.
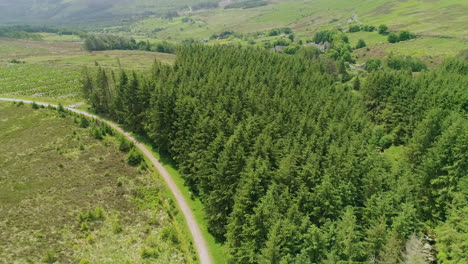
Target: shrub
(170, 234)
(354, 28)
(291, 50)
(90, 238)
(91, 215)
(368, 28)
(385, 142)
(393, 38)
(147, 253)
(383, 30)
(125, 145)
(60, 108)
(116, 227)
(134, 158)
(247, 4)
(361, 44)
(84, 227)
(405, 63)
(405, 35)
(84, 123)
(35, 106)
(273, 32)
(96, 133)
(357, 84)
(106, 129)
(373, 64)
(50, 257)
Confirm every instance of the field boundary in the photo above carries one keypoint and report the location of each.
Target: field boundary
(197, 236)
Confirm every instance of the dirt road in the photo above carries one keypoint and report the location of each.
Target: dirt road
(198, 240)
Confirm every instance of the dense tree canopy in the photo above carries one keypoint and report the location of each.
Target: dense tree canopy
(293, 167)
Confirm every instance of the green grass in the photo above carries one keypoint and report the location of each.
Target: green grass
(38, 82)
(8, 48)
(141, 60)
(51, 37)
(431, 50)
(55, 177)
(446, 17)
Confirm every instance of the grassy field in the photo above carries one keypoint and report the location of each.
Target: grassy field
(51, 37)
(41, 81)
(51, 71)
(68, 197)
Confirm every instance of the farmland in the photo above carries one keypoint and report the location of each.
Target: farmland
(66, 196)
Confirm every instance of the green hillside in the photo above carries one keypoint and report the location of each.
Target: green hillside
(85, 12)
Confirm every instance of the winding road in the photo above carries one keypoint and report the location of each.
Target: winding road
(198, 239)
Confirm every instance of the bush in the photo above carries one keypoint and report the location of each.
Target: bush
(170, 234)
(96, 132)
(393, 38)
(357, 84)
(84, 123)
(91, 215)
(60, 108)
(247, 4)
(273, 32)
(405, 35)
(373, 65)
(125, 145)
(368, 28)
(383, 30)
(35, 106)
(50, 257)
(134, 158)
(116, 227)
(355, 28)
(385, 142)
(361, 44)
(405, 63)
(106, 129)
(291, 50)
(147, 253)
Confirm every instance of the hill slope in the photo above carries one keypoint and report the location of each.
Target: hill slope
(74, 12)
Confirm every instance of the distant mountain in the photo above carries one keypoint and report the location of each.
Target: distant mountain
(79, 12)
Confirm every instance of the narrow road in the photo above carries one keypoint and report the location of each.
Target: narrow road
(198, 240)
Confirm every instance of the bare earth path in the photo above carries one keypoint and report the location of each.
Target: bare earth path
(198, 240)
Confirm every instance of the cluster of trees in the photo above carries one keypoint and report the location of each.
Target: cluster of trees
(396, 62)
(394, 37)
(205, 5)
(401, 36)
(288, 162)
(340, 49)
(245, 4)
(29, 32)
(112, 42)
(279, 31)
(427, 114)
(357, 28)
